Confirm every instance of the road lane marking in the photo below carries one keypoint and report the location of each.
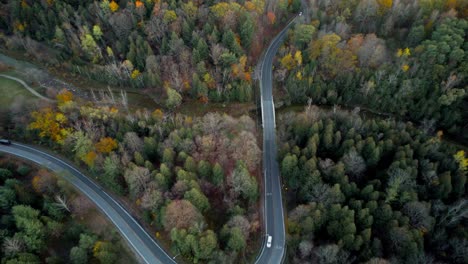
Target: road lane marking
(269, 58)
(88, 183)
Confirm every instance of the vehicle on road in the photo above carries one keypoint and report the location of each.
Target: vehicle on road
(5, 141)
(273, 202)
(269, 241)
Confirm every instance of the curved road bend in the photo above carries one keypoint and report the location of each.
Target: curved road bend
(146, 248)
(273, 209)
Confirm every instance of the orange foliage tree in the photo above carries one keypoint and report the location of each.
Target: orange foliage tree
(247, 77)
(90, 158)
(106, 145)
(271, 17)
(64, 96)
(238, 69)
(139, 4)
(203, 99)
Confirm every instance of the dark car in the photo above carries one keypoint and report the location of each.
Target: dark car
(5, 141)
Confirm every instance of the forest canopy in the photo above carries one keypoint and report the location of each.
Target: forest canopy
(193, 179)
(404, 58)
(44, 220)
(371, 190)
(201, 49)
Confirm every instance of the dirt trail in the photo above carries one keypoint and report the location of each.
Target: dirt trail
(25, 85)
(30, 73)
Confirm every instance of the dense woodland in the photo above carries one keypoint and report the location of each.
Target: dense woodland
(405, 58)
(371, 191)
(194, 179)
(357, 190)
(42, 221)
(200, 49)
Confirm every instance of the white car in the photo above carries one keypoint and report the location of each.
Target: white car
(5, 141)
(269, 241)
(300, 13)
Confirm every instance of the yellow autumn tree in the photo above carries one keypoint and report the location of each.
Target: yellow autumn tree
(50, 124)
(384, 5)
(403, 52)
(208, 79)
(326, 42)
(158, 114)
(97, 247)
(249, 5)
(169, 16)
(333, 58)
(299, 75)
(255, 5)
(135, 74)
(103, 113)
(106, 145)
(64, 96)
(399, 53)
(407, 52)
(113, 6)
(298, 57)
(220, 9)
(451, 3)
(288, 61)
(461, 160)
(19, 26)
(239, 68)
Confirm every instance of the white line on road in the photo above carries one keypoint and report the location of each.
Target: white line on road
(71, 168)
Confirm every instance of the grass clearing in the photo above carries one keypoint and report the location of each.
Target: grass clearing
(10, 91)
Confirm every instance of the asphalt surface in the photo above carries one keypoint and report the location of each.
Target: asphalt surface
(273, 209)
(142, 244)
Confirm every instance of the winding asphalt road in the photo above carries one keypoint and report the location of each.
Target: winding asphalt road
(145, 247)
(273, 209)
